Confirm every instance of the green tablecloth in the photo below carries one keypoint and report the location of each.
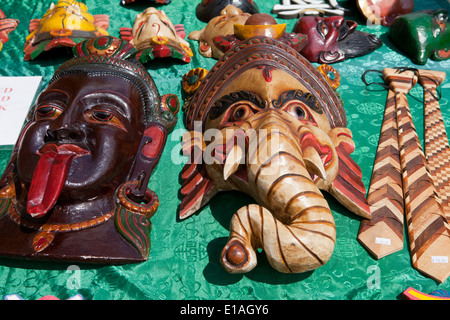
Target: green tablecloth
(184, 256)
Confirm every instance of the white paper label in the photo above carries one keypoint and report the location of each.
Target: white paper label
(384, 241)
(439, 259)
(16, 97)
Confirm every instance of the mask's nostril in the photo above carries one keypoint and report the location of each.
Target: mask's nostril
(73, 136)
(49, 136)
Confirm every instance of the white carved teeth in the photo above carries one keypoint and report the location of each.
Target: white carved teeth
(313, 162)
(235, 157)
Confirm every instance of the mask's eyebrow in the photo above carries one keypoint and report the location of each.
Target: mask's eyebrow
(307, 98)
(222, 104)
(52, 95)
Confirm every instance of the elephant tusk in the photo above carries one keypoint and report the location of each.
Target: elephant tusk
(235, 157)
(313, 162)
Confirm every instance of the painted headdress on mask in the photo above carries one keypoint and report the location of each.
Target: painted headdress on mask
(270, 54)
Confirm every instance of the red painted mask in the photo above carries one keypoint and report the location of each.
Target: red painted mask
(334, 39)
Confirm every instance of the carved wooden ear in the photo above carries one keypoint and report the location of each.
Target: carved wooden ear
(149, 153)
(34, 25)
(101, 21)
(343, 137)
(331, 56)
(196, 35)
(179, 29)
(6, 178)
(126, 34)
(351, 26)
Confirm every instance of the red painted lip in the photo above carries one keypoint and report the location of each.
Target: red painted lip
(63, 149)
(324, 152)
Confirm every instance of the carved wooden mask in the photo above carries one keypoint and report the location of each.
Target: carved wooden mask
(333, 39)
(221, 25)
(63, 25)
(422, 35)
(75, 188)
(267, 123)
(155, 36)
(209, 9)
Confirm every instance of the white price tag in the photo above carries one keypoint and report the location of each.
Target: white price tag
(439, 259)
(384, 241)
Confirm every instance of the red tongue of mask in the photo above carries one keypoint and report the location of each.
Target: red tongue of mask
(49, 177)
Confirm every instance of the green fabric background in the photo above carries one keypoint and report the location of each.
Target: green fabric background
(183, 262)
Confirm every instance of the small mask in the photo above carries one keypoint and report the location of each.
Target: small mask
(75, 188)
(125, 2)
(265, 122)
(6, 26)
(259, 24)
(218, 26)
(384, 11)
(422, 35)
(208, 9)
(154, 36)
(63, 25)
(333, 39)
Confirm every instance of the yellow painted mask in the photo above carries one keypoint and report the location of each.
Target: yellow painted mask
(63, 25)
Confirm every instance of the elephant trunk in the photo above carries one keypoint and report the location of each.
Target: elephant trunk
(293, 223)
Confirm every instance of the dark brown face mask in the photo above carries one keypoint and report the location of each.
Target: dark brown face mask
(75, 188)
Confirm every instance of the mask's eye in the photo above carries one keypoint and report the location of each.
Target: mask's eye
(240, 112)
(104, 117)
(47, 112)
(296, 110)
(299, 111)
(442, 24)
(322, 28)
(237, 114)
(301, 114)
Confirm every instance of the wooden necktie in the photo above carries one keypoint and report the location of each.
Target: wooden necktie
(437, 149)
(429, 236)
(383, 233)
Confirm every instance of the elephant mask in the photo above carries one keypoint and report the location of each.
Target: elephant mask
(267, 123)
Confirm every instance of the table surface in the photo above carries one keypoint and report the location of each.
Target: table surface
(184, 257)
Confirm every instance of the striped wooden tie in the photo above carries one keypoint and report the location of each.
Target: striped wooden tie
(437, 149)
(383, 233)
(429, 237)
